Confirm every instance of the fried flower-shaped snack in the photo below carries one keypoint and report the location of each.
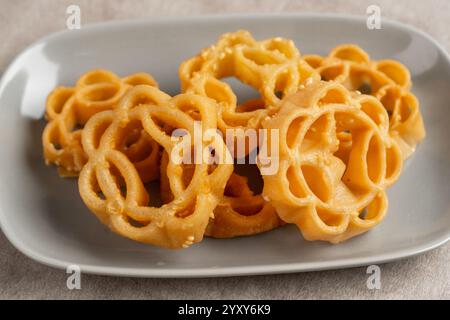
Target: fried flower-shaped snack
(274, 67)
(69, 108)
(388, 80)
(336, 161)
(239, 213)
(112, 188)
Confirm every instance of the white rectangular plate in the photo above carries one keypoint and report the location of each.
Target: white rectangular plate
(44, 217)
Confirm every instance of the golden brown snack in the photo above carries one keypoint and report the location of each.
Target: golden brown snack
(112, 188)
(336, 159)
(274, 67)
(69, 108)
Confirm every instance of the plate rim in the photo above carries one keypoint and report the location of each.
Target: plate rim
(202, 272)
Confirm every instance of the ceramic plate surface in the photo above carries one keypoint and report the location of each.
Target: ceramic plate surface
(44, 217)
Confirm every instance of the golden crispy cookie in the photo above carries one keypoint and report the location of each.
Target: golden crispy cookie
(274, 67)
(239, 213)
(112, 188)
(336, 160)
(68, 109)
(388, 80)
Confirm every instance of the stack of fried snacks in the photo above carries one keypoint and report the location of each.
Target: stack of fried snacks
(273, 67)
(344, 126)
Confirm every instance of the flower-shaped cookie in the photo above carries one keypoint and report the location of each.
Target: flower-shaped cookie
(274, 67)
(112, 188)
(336, 159)
(69, 108)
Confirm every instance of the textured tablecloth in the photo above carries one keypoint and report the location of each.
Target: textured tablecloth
(425, 276)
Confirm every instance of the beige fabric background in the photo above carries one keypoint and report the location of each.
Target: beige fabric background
(425, 276)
